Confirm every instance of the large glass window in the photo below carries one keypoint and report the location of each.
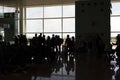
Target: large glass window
(58, 20)
(114, 34)
(52, 25)
(9, 9)
(52, 11)
(30, 35)
(69, 11)
(34, 12)
(61, 19)
(65, 34)
(115, 19)
(115, 23)
(34, 26)
(115, 8)
(69, 25)
(50, 34)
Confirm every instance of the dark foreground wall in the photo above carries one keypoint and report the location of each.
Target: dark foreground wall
(93, 19)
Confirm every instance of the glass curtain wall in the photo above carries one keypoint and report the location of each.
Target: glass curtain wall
(53, 19)
(115, 19)
(60, 20)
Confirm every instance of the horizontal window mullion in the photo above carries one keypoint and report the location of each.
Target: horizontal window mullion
(115, 15)
(49, 18)
(47, 32)
(115, 31)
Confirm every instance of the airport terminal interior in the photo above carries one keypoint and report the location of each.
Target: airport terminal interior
(59, 39)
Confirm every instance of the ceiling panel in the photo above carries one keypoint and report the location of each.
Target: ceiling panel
(38, 2)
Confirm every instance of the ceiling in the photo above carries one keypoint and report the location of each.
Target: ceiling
(34, 2)
(38, 2)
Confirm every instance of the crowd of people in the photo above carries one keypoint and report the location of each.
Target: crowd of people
(43, 47)
(54, 43)
(39, 48)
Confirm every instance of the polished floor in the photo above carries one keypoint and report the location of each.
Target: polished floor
(69, 66)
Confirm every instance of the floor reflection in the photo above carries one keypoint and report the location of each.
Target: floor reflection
(62, 68)
(70, 66)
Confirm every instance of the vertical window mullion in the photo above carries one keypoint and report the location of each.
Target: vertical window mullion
(62, 22)
(43, 19)
(25, 19)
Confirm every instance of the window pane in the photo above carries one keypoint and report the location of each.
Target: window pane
(34, 26)
(34, 12)
(114, 34)
(54, 11)
(69, 11)
(115, 23)
(116, 8)
(50, 34)
(30, 36)
(69, 25)
(71, 34)
(9, 9)
(52, 25)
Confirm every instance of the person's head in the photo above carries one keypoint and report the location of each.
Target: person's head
(73, 37)
(40, 34)
(35, 34)
(53, 35)
(43, 36)
(68, 36)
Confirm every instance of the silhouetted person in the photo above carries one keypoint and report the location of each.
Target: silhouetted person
(48, 41)
(60, 42)
(118, 39)
(34, 41)
(53, 42)
(68, 43)
(16, 40)
(23, 40)
(43, 40)
(73, 44)
(118, 47)
(40, 39)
